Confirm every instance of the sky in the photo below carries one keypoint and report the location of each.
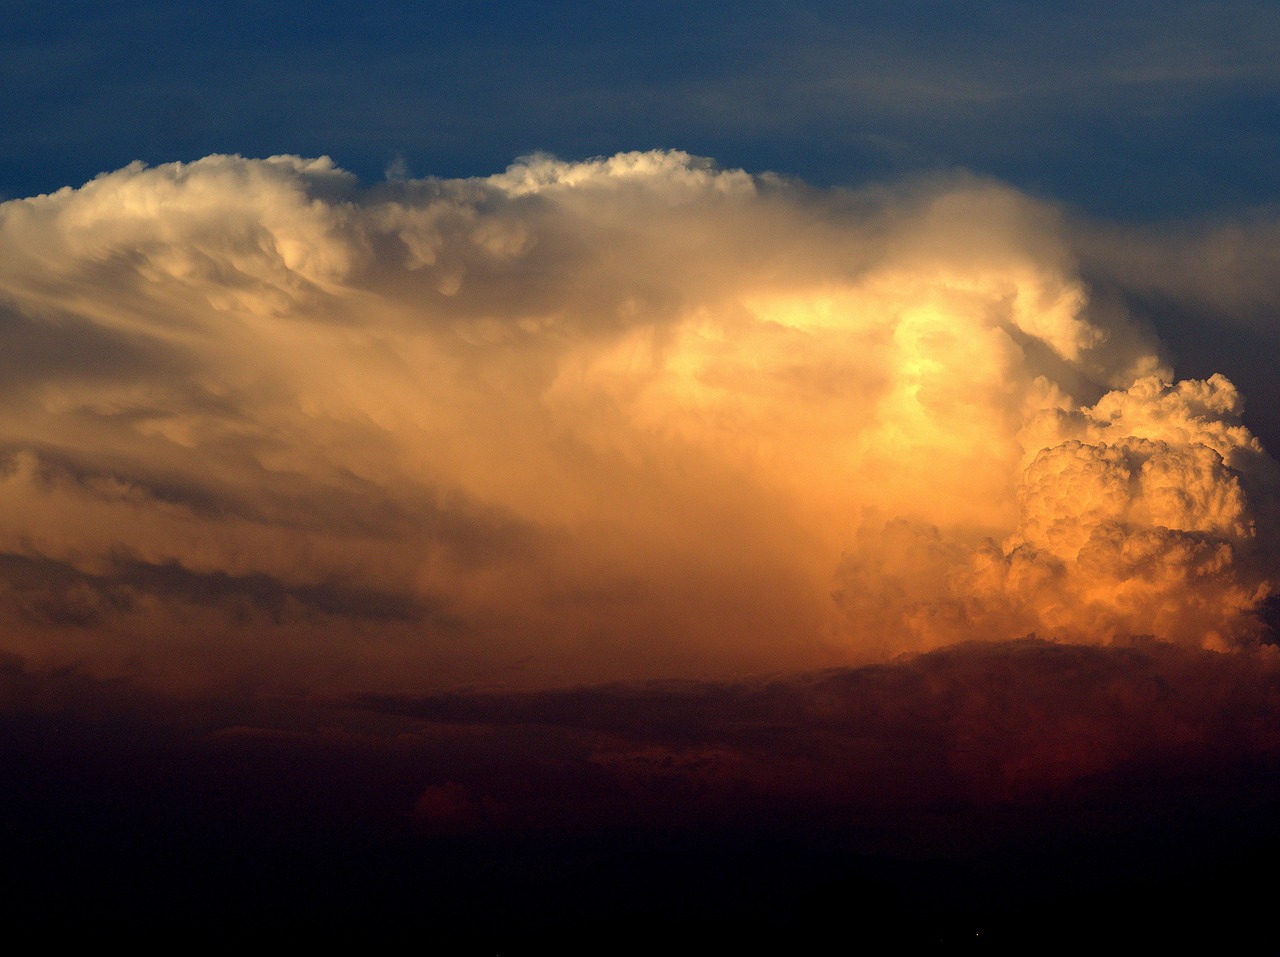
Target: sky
(815, 455)
(1146, 111)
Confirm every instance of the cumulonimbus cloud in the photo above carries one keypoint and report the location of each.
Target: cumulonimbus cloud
(628, 417)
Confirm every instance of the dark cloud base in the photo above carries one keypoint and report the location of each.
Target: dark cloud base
(1020, 795)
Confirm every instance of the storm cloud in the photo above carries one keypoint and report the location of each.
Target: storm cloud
(633, 417)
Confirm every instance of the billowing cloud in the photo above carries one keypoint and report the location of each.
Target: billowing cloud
(1131, 521)
(636, 416)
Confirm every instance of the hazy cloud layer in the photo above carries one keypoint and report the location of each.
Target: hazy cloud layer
(636, 416)
(1024, 723)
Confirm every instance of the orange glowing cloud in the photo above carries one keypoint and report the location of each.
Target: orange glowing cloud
(637, 416)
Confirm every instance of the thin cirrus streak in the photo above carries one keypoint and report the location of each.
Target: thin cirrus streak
(631, 417)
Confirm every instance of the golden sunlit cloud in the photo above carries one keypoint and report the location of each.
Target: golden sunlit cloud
(636, 416)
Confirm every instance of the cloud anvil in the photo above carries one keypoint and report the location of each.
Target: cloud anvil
(630, 417)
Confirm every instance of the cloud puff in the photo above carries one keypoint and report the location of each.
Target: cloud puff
(1131, 522)
(633, 416)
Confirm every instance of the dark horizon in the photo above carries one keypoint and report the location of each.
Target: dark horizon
(675, 815)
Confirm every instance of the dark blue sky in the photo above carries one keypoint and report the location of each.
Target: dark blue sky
(1137, 110)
